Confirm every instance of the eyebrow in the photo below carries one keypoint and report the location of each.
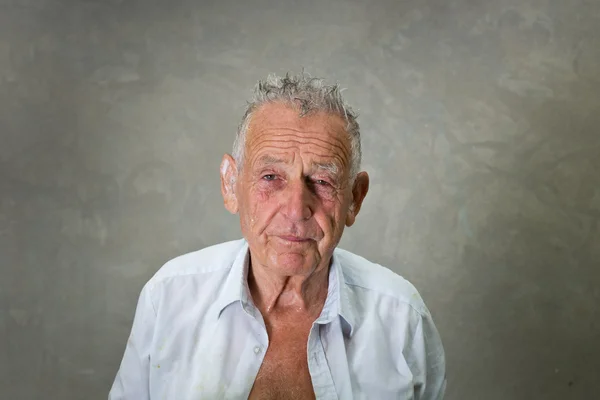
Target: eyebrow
(330, 167)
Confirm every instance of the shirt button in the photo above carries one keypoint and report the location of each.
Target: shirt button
(257, 349)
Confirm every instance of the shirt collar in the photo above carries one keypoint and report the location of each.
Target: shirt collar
(338, 301)
(236, 284)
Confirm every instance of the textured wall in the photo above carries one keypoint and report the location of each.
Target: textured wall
(480, 123)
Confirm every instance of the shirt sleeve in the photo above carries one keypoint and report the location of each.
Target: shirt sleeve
(427, 360)
(131, 382)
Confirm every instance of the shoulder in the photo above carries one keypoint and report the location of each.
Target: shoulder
(376, 281)
(215, 258)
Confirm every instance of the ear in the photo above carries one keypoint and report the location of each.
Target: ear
(359, 192)
(229, 174)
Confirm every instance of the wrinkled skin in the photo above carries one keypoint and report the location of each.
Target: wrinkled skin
(293, 193)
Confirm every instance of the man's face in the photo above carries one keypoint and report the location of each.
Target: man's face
(293, 192)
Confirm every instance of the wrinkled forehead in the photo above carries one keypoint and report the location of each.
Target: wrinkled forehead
(278, 132)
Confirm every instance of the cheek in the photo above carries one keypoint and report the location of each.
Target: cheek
(329, 216)
(261, 204)
(339, 211)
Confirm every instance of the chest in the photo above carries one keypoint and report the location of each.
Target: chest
(284, 372)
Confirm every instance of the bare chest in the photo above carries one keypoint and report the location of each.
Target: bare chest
(284, 371)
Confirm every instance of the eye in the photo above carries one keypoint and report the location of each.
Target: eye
(322, 182)
(269, 177)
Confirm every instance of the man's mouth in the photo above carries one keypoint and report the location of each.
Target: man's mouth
(295, 239)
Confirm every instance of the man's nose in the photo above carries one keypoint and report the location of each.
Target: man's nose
(297, 204)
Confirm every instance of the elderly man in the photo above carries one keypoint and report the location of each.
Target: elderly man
(283, 313)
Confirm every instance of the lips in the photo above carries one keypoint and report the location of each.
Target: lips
(295, 239)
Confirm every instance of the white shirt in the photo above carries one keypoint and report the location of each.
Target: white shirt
(197, 334)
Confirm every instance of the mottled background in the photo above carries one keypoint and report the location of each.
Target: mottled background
(480, 124)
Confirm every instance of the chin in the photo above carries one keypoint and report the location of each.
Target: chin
(294, 263)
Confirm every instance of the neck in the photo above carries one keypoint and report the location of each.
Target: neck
(275, 294)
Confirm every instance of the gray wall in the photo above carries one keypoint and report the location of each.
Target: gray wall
(480, 123)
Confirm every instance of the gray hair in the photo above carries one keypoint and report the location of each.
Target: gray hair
(310, 95)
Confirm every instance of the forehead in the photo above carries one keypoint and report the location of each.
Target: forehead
(278, 131)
